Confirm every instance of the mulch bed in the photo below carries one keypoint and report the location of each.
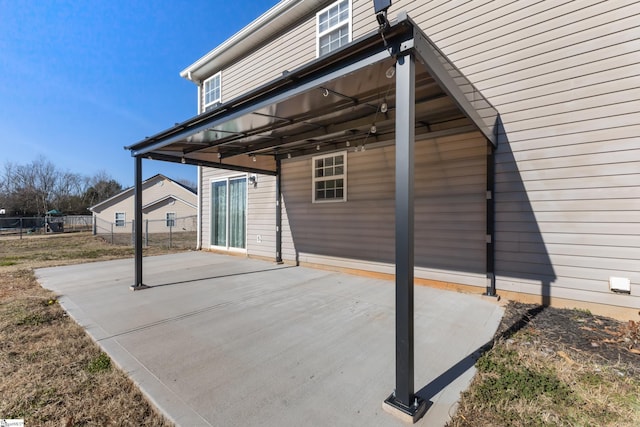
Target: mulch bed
(582, 335)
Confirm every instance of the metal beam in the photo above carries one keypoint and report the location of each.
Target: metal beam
(490, 265)
(278, 211)
(403, 399)
(435, 61)
(137, 284)
(195, 162)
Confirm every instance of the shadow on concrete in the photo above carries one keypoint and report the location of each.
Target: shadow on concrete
(202, 279)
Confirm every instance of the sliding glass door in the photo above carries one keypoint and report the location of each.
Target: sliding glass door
(229, 213)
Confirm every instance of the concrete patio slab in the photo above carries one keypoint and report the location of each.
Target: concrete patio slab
(224, 341)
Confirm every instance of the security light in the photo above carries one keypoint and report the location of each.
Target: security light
(381, 5)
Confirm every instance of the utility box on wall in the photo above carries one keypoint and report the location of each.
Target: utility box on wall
(620, 285)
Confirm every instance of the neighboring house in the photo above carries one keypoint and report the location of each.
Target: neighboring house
(552, 214)
(164, 202)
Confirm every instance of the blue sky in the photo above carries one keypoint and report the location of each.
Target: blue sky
(79, 80)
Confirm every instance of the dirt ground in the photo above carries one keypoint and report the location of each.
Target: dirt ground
(555, 367)
(586, 336)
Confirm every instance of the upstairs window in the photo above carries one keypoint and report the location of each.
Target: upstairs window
(212, 92)
(333, 27)
(330, 178)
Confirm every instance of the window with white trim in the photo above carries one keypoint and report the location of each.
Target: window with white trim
(171, 219)
(212, 89)
(333, 27)
(330, 178)
(120, 219)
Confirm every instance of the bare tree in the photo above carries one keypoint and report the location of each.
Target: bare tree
(188, 183)
(37, 187)
(100, 187)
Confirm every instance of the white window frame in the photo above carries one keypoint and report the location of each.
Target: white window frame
(124, 219)
(229, 248)
(170, 221)
(315, 179)
(205, 92)
(347, 24)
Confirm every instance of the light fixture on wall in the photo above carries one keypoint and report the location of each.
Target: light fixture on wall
(384, 107)
(347, 144)
(254, 158)
(318, 147)
(373, 129)
(183, 160)
(253, 180)
(288, 155)
(325, 92)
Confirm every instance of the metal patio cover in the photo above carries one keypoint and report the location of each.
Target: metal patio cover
(328, 104)
(390, 87)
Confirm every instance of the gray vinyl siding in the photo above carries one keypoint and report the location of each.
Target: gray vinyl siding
(261, 217)
(450, 216)
(205, 206)
(565, 78)
(289, 51)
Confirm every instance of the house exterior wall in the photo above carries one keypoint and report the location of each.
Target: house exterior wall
(270, 61)
(450, 211)
(153, 190)
(563, 76)
(156, 215)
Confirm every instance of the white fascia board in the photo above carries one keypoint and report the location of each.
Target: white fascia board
(279, 17)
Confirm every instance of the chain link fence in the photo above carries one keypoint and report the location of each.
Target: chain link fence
(21, 226)
(177, 233)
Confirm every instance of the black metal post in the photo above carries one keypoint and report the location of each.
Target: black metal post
(490, 267)
(404, 399)
(278, 212)
(138, 224)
